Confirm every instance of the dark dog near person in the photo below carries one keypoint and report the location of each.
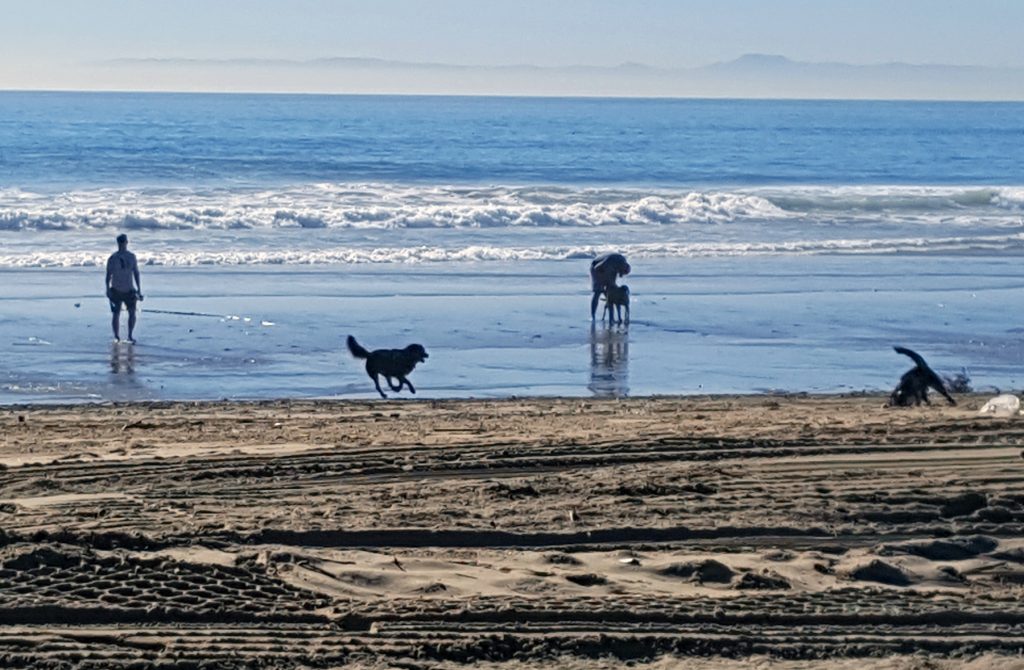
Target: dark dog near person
(914, 384)
(616, 297)
(391, 363)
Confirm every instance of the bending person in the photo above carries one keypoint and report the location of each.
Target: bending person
(603, 271)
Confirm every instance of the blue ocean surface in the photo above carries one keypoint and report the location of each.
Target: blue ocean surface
(88, 140)
(756, 229)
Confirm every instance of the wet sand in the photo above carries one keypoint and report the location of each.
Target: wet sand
(790, 531)
(817, 324)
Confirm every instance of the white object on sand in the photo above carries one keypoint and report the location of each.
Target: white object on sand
(1002, 405)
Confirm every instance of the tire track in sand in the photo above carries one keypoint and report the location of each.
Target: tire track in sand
(317, 534)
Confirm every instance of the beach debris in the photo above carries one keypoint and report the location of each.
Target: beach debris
(1003, 405)
(573, 516)
(398, 564)
(630, 560)
(959, 383)
(562, 559)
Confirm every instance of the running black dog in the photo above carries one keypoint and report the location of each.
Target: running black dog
(391, 363)
(913, 386)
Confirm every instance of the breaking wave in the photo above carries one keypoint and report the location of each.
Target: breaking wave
(384, 206)
(371, 206)
(384, 223)
(897, 199)
(1013, 243)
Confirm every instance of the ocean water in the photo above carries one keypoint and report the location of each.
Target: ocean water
(776, 245)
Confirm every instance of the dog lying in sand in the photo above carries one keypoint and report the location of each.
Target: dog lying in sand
(615, 298)
(914, 384)
(389, 363)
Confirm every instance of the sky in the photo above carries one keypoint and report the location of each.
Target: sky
(68, 44)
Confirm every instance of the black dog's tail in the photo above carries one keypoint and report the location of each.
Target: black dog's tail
(916, 357)
(357, 350)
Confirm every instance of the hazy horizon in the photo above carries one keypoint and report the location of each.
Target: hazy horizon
(656, 48)
(749, 76)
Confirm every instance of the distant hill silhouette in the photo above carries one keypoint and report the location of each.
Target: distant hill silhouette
(749, 76)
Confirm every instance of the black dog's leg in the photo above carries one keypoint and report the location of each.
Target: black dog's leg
(394, 388)
(376, 382)
(407, 383)
(936, 383)
(946, 395)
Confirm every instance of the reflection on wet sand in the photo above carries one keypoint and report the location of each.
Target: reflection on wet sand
(122, 359)
(609, 361)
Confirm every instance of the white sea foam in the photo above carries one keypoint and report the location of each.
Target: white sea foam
(375, 223)
(383, 206)
(370, 206)
(1011, 243)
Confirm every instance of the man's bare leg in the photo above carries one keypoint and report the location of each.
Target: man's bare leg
(115, 323)
(131, 326)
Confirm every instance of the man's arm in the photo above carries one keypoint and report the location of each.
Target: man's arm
(138, 281)
(106, 281)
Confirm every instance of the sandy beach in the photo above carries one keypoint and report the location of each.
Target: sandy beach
(719, 532)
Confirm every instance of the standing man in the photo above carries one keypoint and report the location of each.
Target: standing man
(603, 271)
(122, 270)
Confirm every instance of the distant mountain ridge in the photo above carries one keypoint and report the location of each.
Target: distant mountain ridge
(748, 76)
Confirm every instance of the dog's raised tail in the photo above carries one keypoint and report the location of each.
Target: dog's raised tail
(914, 356)
(357, 350)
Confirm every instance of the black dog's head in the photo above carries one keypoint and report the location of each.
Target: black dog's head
(618, 295)
(416, 352)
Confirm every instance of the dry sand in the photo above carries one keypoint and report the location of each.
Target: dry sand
(773, 532)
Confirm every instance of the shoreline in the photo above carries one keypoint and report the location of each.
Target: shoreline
(530, 532)
(515, 330)
(974, 398)
(413, 400)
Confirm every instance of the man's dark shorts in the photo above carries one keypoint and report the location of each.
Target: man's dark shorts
(129, 298)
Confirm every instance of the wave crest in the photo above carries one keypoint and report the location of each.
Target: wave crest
(1013, 243)
(370, 206)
